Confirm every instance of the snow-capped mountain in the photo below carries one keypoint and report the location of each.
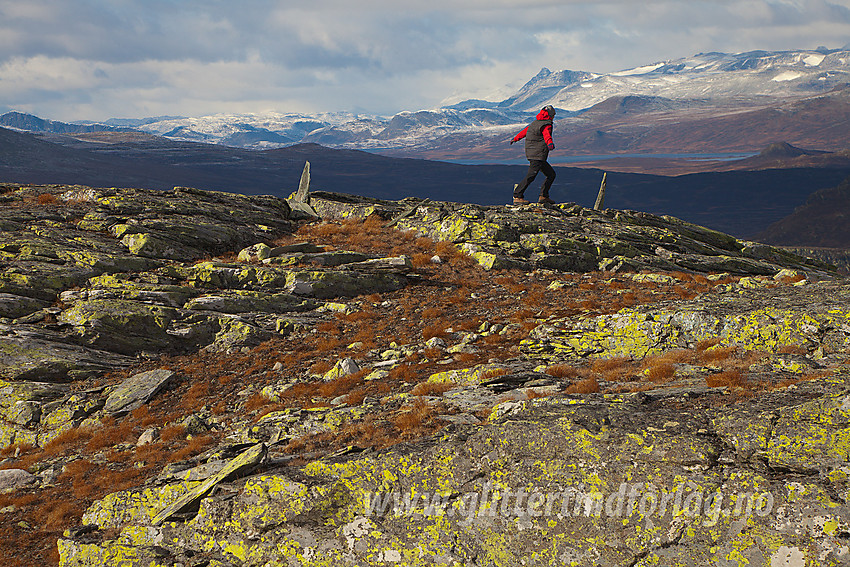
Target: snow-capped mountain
(706, 82)
(703, 79)
(260, 131)
(716, 76)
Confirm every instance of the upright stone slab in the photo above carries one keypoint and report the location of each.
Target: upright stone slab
(299, 202)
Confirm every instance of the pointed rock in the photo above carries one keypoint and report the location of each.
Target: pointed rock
(299, 202)
(303, 193)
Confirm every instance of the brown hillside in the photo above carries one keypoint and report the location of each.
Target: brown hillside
(823, 221)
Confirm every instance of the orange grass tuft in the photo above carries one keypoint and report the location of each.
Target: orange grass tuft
(717, 354)
(47, 199)
(586, 386)
(729, 378)
(432, 388)
(660, 373)
(342, 385)
(562, 371)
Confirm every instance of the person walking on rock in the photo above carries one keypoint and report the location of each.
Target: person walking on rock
(538, 142)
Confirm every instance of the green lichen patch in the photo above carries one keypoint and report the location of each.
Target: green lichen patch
(121, 326)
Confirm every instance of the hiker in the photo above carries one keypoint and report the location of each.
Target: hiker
(538, 142)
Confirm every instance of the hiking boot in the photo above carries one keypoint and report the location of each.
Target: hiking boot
(545, 199)
(520, 201)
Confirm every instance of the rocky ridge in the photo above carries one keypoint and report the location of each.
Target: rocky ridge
(708, 366)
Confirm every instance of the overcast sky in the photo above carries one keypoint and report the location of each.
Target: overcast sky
(96, 59)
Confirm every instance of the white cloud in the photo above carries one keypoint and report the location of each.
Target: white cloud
(100, 58)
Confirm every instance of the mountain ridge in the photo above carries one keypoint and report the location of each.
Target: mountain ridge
(713, 82)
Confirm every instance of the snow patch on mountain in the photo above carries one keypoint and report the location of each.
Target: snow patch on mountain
(814, 60)
(786, 76)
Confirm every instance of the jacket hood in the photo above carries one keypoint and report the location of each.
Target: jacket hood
(543, 115)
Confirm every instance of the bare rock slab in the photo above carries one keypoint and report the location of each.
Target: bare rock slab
(15, 478)
(249, 458)
(29, 353)
(137, 391)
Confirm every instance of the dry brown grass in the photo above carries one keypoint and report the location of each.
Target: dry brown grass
(729, 378)
(605, 365)
(432, 388)
(613, 369)
(437, 329)
(172, 433)
(196, 445)
(412, 417)
(717, 354)
(675, 356)
(111, 434)
(706, 344)
(563, 371)
(405, 373)
(255, 402)
(433, 312)
(60, 514)
(587, 386)
(421, 259)
(47, 199)
(320, 367)
(342, 385)
(660, 373)
(493, 373)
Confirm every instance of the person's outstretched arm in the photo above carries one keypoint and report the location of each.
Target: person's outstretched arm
(519, 136)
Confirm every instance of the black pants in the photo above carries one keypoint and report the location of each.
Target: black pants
(534, 167)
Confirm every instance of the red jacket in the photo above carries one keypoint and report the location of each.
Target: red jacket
(538, 137)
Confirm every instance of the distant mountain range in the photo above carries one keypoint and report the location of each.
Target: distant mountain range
(711, 102)
(742, 203)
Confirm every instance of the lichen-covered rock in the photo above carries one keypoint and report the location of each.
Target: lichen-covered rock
(255, 253)
(126, 327)
(67, 413)
(235, 332)
(11, 479)
(21, 409)
(120, 286)
(14, 306)
(625, 479)
(328, 285)
(240, 465)
(571, 238)
(603, 480)
(292, 423)
(236, 276)
(155, 246)
(42, 355)
(42, 280)
(136, 391)
(187, 223)
(814, 317)
(242, 301)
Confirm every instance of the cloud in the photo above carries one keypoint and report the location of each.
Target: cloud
(97, 58)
